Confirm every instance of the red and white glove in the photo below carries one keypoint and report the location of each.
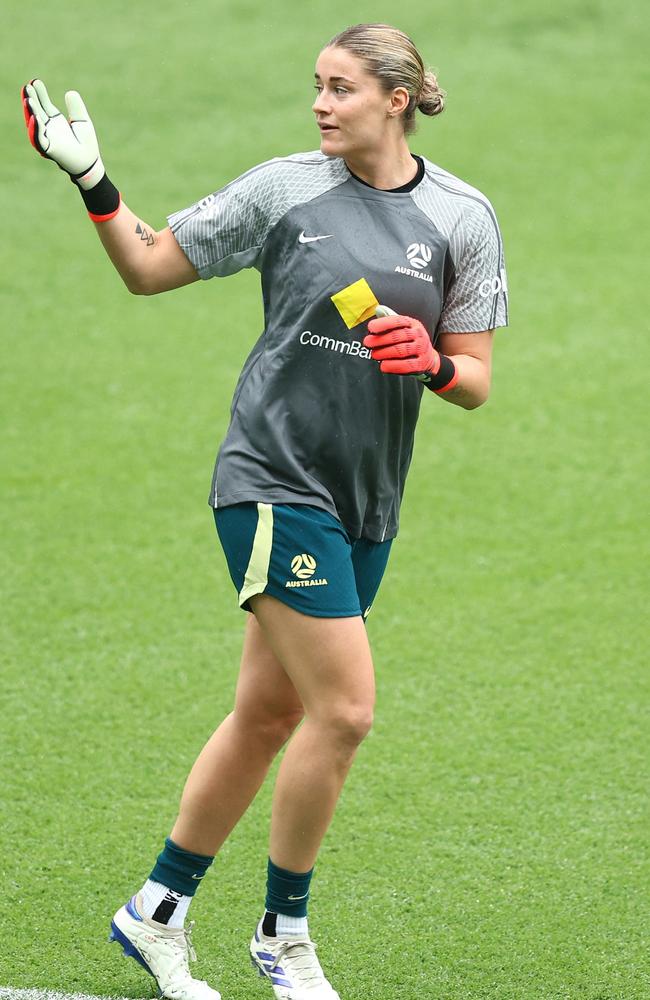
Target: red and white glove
(72, 144)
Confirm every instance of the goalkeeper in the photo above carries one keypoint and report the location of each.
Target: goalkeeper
(383, 280)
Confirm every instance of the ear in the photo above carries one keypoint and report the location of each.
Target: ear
(398, 101)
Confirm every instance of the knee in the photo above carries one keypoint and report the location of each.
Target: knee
(281, 727)
(350, 725)
(272, 729)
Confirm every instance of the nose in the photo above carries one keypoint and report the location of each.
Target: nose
(321, 104)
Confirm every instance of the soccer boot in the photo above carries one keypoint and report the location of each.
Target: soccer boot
(163, 951)
(291, 966)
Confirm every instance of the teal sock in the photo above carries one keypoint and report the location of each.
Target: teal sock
(287, 892)
(180, 870)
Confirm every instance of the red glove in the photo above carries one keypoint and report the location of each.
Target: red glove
(402, 345)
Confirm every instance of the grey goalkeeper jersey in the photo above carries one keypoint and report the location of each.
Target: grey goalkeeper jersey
(313, 420)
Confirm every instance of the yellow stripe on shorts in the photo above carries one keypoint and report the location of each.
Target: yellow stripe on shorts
(257, 573)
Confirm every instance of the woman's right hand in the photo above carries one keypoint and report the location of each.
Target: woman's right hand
(148, 261)
(71, 142)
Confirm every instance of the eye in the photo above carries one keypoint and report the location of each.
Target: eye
(318, 87)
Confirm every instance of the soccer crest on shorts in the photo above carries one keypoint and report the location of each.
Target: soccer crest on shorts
(302, 556)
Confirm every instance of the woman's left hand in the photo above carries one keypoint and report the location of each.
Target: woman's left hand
(402, 346)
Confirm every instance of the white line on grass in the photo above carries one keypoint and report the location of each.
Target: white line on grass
(9, 993)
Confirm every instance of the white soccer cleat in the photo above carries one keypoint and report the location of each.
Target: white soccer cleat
(164, 952)
(291, 966)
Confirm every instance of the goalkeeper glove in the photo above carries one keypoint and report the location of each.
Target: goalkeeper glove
(72, 144)
(403, 347)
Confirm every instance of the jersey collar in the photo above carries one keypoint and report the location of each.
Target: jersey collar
(404, 187)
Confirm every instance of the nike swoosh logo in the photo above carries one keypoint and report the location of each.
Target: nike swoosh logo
(298, 897)
(312, 239)
(198, 876)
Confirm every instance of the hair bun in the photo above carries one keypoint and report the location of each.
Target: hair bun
(432, 97)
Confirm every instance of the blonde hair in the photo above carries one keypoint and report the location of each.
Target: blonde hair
(391, 57)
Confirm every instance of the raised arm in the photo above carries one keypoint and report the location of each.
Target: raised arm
(147, 261)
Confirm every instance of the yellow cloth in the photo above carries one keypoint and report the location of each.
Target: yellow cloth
(355, 303)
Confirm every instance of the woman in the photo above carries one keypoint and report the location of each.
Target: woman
(308, 481)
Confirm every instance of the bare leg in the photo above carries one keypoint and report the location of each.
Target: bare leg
(234, 762)
(329, 663)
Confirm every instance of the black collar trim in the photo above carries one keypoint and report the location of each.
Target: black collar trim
(405, 187)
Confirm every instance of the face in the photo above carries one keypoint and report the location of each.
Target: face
(351, 107)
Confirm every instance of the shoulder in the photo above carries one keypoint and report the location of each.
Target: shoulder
(284, 172)
(461, 211)
(269, 189)
(453, 190)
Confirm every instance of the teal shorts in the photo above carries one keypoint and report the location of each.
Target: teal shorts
(302, 556)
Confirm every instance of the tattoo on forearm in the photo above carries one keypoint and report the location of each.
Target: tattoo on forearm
(459, 392)
(144, 235)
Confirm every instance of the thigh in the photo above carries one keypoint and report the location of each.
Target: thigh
(264, 689)
(328, 660)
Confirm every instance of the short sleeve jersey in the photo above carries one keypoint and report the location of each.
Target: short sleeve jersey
(313, 419)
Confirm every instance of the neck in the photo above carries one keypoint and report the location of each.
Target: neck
(382, 170)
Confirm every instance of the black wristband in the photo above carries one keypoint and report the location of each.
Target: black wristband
(102, 200)
(444, 377)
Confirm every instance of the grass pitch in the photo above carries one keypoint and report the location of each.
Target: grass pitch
(492, 840)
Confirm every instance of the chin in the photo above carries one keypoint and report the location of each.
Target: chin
(330, 148)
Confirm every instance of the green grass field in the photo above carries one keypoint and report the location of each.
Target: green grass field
(492, 840)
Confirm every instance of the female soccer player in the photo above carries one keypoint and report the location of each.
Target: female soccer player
(308, 481)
